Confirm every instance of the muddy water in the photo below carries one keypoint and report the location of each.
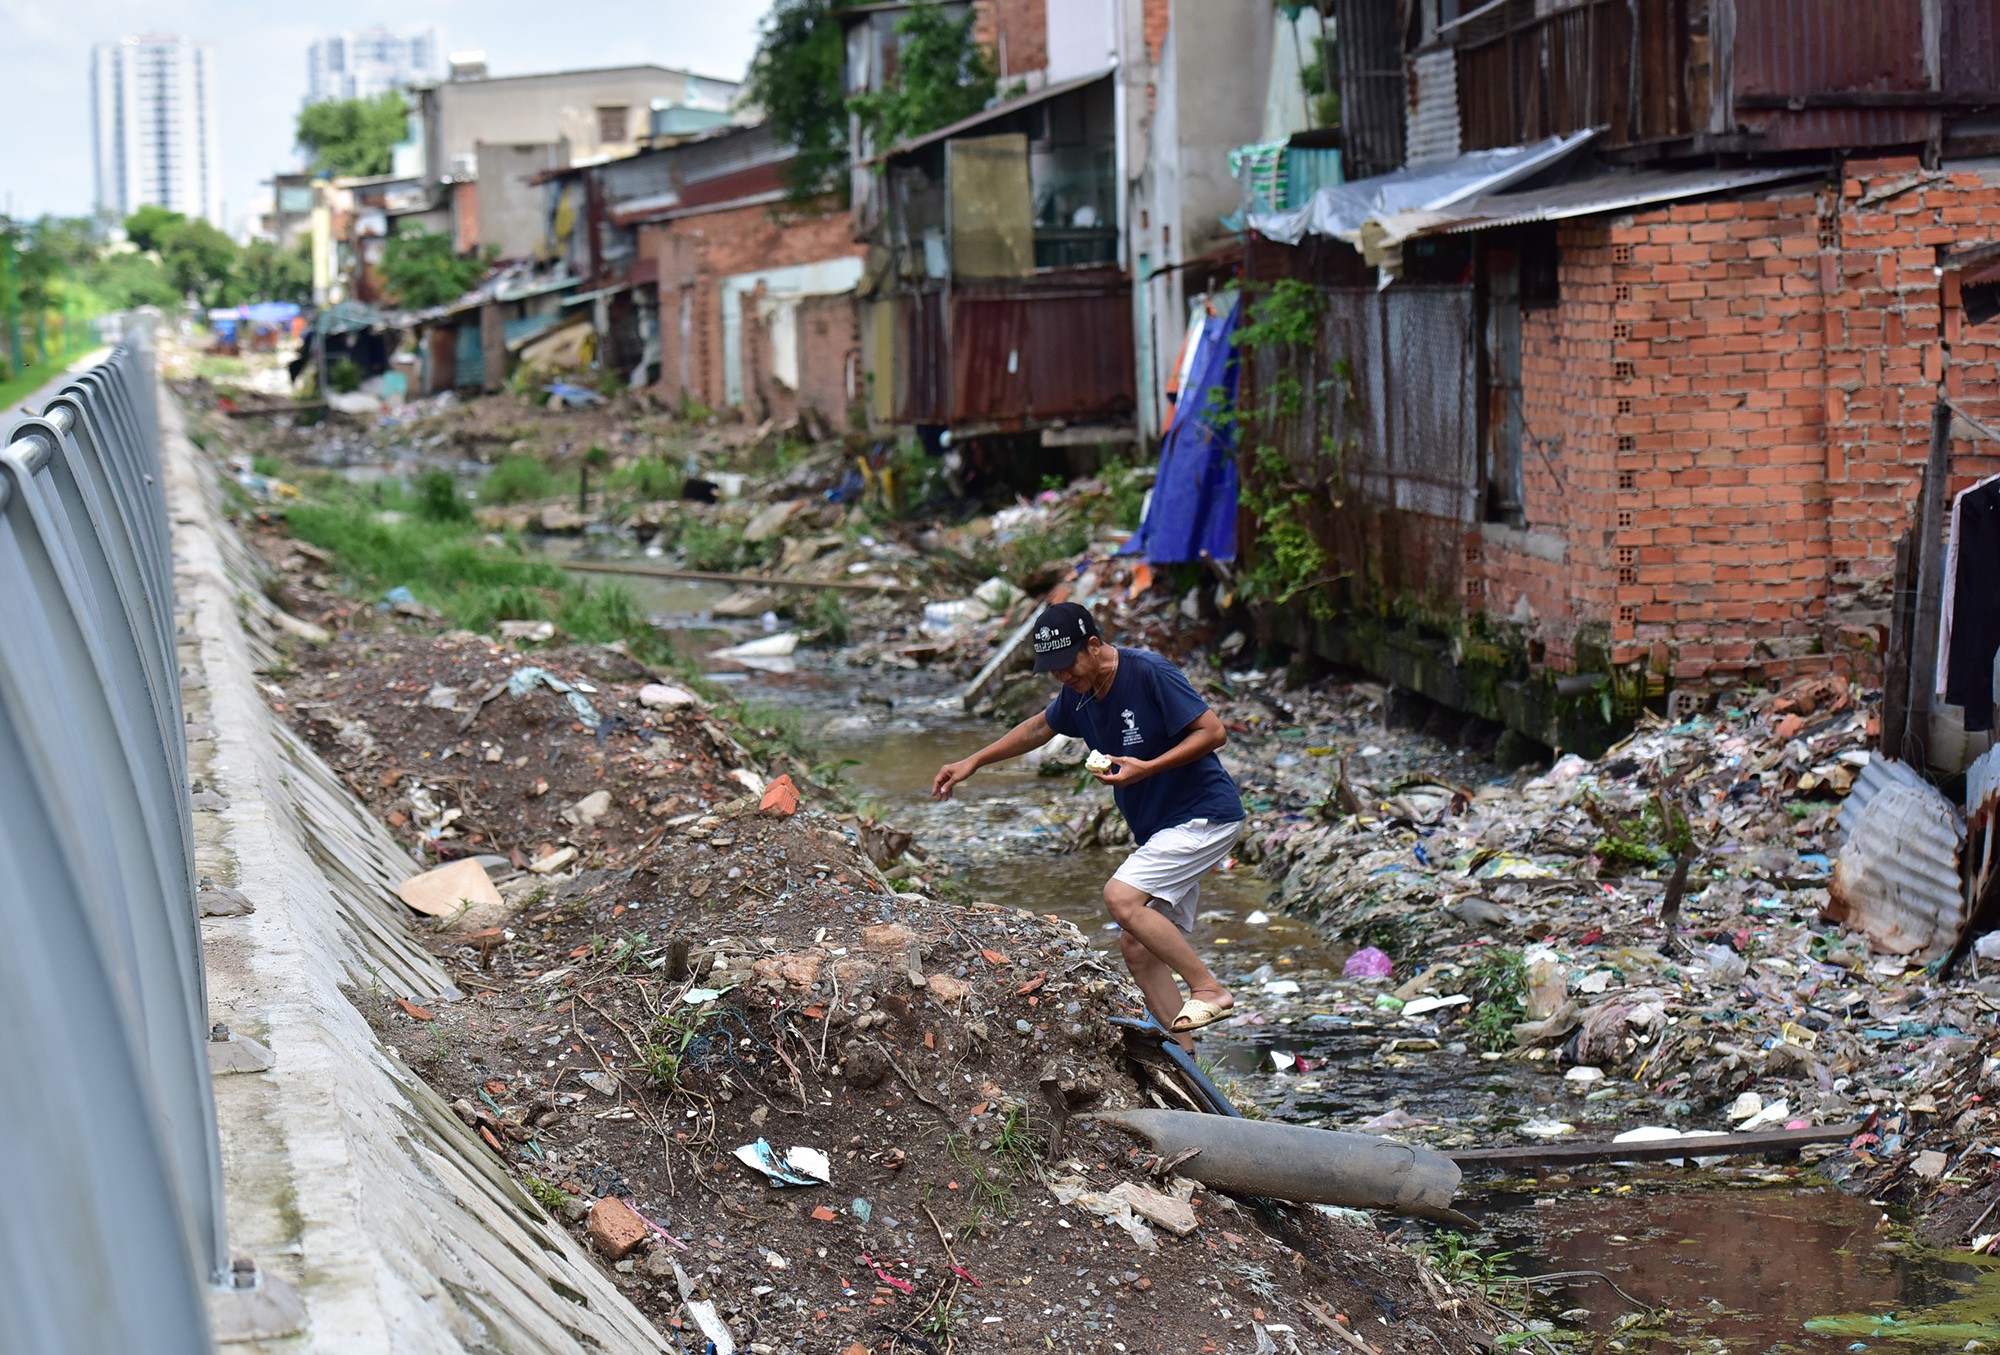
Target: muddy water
(1753, 1259)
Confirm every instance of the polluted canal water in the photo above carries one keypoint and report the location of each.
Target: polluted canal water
(1742, 1257)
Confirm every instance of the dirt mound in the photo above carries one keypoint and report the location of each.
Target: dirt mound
(693, 969)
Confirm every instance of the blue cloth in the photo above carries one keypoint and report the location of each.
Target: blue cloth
(1193, 511)
(1147, 712)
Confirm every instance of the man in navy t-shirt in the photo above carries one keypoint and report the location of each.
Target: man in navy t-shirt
(1153, 741)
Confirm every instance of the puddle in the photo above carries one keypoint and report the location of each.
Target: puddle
(1748, 1261)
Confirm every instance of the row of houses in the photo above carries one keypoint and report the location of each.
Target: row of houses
(1650, 342)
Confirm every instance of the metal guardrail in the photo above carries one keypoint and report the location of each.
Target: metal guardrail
(111, 1217)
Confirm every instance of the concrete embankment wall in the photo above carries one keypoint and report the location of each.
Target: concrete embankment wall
(346, 1174)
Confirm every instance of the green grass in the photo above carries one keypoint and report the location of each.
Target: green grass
(28, 380)
(648, 478)
(518, 479)
(444, 563)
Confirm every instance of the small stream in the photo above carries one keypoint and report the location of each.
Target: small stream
(1755, 1258)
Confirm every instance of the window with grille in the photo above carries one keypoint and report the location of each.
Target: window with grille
(613, 123)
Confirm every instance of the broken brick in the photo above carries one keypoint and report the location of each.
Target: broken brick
(615, 1228)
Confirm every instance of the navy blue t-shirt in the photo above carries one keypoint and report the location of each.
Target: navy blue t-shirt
(1147, 712)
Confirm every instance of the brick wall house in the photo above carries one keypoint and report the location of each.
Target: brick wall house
(739, 267)
(1724, 416)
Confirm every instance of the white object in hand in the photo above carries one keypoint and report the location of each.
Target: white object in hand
(1097, 763)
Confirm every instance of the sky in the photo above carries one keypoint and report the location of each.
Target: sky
(260, 48)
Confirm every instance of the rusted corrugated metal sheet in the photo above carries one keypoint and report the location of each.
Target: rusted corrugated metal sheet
(1432, 124)
(1896, 880)
(1523, 76)
(1380, 430)
(923, 364)
(1371, 84)
(1801, 50)
(1969, 46)
(1059, 349)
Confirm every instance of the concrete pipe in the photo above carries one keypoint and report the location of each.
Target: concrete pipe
(1297, 1162)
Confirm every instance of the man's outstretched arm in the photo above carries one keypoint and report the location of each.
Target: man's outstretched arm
(1025, 737)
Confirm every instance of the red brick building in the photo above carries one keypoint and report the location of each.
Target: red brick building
(1643, 426)
(756, 308)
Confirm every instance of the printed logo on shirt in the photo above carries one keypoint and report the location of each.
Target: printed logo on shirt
(1132, 734)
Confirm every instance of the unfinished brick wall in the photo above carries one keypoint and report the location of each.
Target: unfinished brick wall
(695, 254)
(1727, 419)
(1016, 32)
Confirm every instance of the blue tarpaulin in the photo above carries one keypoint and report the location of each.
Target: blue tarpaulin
(1192, 515)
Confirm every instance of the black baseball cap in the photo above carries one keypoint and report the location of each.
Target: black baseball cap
(1061, 632)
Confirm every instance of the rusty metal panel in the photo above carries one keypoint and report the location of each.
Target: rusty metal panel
(1523, 75)
(1377, 423)
(924, 365)
(1810, 50)
(1371, 84)
(1896, 880)
(1432, 130)
(1058, 348)
(1969, 46)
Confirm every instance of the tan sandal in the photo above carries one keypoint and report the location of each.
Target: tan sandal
(1196, 1013)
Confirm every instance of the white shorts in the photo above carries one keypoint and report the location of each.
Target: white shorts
(1170, 866)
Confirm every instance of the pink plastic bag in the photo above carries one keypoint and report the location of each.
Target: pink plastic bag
(1368, 963)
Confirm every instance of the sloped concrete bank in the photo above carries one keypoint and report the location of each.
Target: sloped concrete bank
(346, 1175)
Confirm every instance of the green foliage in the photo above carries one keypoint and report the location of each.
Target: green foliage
(1321, 85)
(548, 1195)
(123, 280)
(827, 614)
(1288, 561)
(345, 375)
(796, 78)
(519, 478)
(647, 478)
(420, 270)
(264, 272)
(1498, 986)
(351, 137)
(663, 1055)
(199, 260)
(438, 499)
(149, 227)
(1652, 836)
(942, 75)
(445, 564)
(712, 545)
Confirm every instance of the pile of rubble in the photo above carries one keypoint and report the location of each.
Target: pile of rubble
(792, 1105)
(1654, 924)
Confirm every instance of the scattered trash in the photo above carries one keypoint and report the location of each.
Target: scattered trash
(450, 891)
(664, 696)
(770, 647)
(534, 632)
(1368, 963)
(525, 680)
(800, 1166)
(554, 861)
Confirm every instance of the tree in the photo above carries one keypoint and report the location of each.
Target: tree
(123, 280)
(264, 272)
(198, 259)
(419, 270)
(148, 227)
(942, 75)
(353, 137)
(796, 78)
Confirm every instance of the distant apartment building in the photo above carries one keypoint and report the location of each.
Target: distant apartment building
(154, 124)
(368, 62)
